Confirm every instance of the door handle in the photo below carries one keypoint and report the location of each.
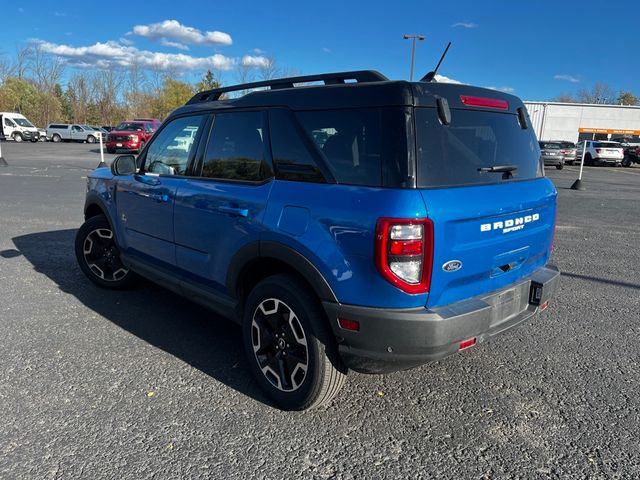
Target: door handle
(146, 180)
(161, 197)
(234, 211)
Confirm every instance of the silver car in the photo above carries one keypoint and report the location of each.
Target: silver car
(71, 133)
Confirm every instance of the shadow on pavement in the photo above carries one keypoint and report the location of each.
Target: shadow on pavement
(191, 333)
(589, 278)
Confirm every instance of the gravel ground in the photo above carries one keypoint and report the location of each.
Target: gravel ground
(143, 384)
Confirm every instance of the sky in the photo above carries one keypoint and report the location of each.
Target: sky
(534, 49)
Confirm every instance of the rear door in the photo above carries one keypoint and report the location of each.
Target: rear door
(484, 189)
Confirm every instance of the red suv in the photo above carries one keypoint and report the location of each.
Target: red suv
(132, 134)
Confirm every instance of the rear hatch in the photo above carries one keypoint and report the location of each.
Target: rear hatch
(483, 184)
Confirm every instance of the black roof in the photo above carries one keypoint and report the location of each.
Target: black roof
(363, 88)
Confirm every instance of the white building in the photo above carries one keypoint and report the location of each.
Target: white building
(579, 121)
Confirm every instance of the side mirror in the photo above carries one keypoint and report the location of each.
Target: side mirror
(124, 165)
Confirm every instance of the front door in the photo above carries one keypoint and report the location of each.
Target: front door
(145, 200)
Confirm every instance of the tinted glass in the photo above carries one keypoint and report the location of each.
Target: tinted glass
(291, 156)
(454, 155)
(236, 148)
(550, 146)
(364, 146)
(130, 127)
(58, 126)
(170, 151)
(606, 145)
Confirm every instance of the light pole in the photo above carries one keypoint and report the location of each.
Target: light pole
(413, 49)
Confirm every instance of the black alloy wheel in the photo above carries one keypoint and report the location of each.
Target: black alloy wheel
(99, 256)
(291, 350)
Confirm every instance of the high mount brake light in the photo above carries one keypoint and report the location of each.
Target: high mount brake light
(484, 102)
(404, 252)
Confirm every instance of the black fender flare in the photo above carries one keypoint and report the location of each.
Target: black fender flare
(284, 254)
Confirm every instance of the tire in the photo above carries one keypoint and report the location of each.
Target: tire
(98, 255)
(56, 138)
(91, 139)
(17, 137)
(588, 160)
(302, 336)
(34, 140)
(559, 167)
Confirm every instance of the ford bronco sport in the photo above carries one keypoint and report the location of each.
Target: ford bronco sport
(344, 220)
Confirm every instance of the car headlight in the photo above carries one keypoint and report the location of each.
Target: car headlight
(134, 138)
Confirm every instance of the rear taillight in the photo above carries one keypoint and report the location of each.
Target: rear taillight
(404, 252)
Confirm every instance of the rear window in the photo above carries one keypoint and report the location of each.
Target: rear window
(361, 146)
(550, 146)
(606, 145)
(453, 155)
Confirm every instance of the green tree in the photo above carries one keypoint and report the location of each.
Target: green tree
(174, 94)
(627, 98)
(208, 82)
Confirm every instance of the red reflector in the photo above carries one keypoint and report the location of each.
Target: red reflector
(544, 306)
(405, 247)
(352, 325)
(484, 102)
(467, 343)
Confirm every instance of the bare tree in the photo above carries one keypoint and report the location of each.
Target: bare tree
(22, 61)
(6, 68)
(269, 69)
(106, 87)
(46, 69)
(599, 93)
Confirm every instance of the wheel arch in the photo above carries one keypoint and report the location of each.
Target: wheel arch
(259, 260)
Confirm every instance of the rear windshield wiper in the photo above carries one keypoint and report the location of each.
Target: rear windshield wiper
(499, 168)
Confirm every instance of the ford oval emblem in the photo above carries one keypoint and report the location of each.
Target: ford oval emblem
(452, 266)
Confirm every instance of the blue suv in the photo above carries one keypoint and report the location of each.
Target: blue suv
(346, 221)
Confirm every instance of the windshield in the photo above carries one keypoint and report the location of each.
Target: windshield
(462, 152)
(23, 122)
(130, 127)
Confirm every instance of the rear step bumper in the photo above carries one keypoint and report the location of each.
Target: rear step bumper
(389, 340)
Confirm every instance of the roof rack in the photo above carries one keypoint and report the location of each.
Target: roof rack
(360, 76)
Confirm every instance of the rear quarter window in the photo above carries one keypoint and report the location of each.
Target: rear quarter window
(454, 154)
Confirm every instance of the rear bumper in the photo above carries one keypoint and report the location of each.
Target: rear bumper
(553, 160)
(397, 339)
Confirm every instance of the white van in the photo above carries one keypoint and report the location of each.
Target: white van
(17, 127)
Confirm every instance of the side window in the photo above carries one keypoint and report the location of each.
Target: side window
(8, 123)
(170, 150)
(352, 142)
(291, 157)
(236, 148)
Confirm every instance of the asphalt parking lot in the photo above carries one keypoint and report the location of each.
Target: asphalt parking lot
(144, 384)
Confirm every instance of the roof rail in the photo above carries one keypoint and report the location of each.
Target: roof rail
(360, 76)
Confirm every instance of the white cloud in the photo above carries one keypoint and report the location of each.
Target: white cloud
(567, 78)
(443, 79)
(503, 89)
(465, 25)
(178, 45)
(326, 50)
(174, 30)
(254, 61)
(113, 54)
(259, 51)
(125, 41)
(59, 14)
